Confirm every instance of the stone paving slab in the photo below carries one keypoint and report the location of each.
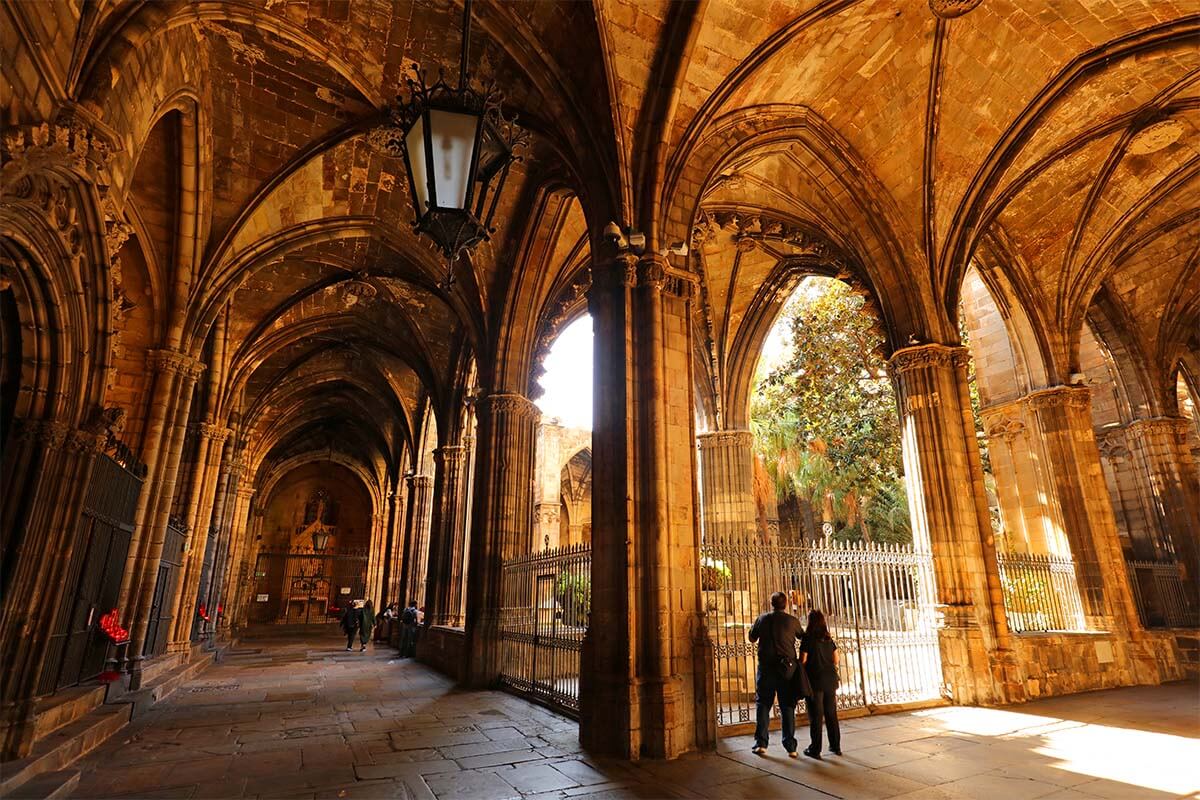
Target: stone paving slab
(299, 719)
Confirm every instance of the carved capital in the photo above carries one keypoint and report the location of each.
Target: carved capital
(1168, 427)
(216, 433)
(176, 362)
(420, 482)
(504, 403)
(1112, 444)
(718, 439)
(926, 356)
(652, 272)
(1076, 398)
(450, 455)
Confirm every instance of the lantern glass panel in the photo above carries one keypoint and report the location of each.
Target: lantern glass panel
(414, 142)
(453, 140)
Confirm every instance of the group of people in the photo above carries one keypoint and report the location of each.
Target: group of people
(359, 620)
(786, 675)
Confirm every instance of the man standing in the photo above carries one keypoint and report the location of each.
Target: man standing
(408, 631)
(776, 633)
(351, 620)
(366, 623)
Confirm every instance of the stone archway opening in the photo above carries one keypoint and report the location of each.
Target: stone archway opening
(812, 501)
(313, 552)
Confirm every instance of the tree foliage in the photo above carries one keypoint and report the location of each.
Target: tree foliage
(824, 416)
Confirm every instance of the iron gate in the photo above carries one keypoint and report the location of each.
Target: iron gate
(77, 648)
(306, 587)
(545, 601)
(159, 628)
(878, 601)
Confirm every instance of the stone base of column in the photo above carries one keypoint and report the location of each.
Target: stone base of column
(483, 643)
(968, 665)
(17, 730)
(638, 718)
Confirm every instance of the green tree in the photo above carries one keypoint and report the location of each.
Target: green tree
(825, 419)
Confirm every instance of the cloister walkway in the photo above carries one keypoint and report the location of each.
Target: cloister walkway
(283, 718)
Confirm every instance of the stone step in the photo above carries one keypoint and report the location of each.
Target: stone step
(48, 785)
(65, 707)
(62, 747)
(164, 684)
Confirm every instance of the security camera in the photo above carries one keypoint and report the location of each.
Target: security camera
(678, 248)
(612, 233)
(637, 242)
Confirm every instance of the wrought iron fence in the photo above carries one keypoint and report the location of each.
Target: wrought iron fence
(1040, 592)
(1162, 598)
(545, 601)
(878, 600)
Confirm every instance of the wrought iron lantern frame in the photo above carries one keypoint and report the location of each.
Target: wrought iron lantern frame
(497, 139)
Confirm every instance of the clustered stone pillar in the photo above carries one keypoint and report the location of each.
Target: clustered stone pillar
(50, 465)
(1028, 506)
(944, 477)
(234, 575)
(1161, 445)
(502, 521)
(1064, 420)
(443, 588)
(176, 376)
(416, 537)
(727, 486)
(208, 480)
(646, 682)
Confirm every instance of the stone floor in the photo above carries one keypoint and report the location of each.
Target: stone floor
(284, 718)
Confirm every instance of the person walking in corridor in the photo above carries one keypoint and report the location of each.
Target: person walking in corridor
(776, 633)
(408, 631)
(351, 620)
(818, 654)
(366, 624)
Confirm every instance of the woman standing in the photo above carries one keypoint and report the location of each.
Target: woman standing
(818, 653)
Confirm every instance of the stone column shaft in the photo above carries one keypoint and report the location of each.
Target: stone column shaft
(443, 594)
(646, 686)
(416, 537)
(727, 502)
(199, 518)
(949, 516)
(502, 521)
(146, 575)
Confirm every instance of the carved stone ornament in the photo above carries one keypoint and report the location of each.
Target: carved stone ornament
(69, 145)
(175, 361)
(924, 356)
(1173, 427)
(508, 404)
(1078, 398)
(717, 439)
(949, 9)
(1006, 429)
(1112, 445)
(217, 433)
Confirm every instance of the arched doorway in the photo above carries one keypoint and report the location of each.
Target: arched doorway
(313, 557)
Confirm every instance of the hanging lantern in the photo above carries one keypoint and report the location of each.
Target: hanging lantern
(320, 541)
(457, 148)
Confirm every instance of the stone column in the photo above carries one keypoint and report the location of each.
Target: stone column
(212, 593)
(50, 464)
(416, 538)
(502, 521)
(390, 581)
(1064, 420)
(1162, 446)
(444, 572)
(948, 507)
(153, 528)
(547, 515)
(646, 681)
(199, 517)
(728, 511)
(235, 574)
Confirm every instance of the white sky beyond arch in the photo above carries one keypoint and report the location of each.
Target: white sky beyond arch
(568, 378)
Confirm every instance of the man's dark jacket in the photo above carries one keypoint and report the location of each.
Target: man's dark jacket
(776, 633)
